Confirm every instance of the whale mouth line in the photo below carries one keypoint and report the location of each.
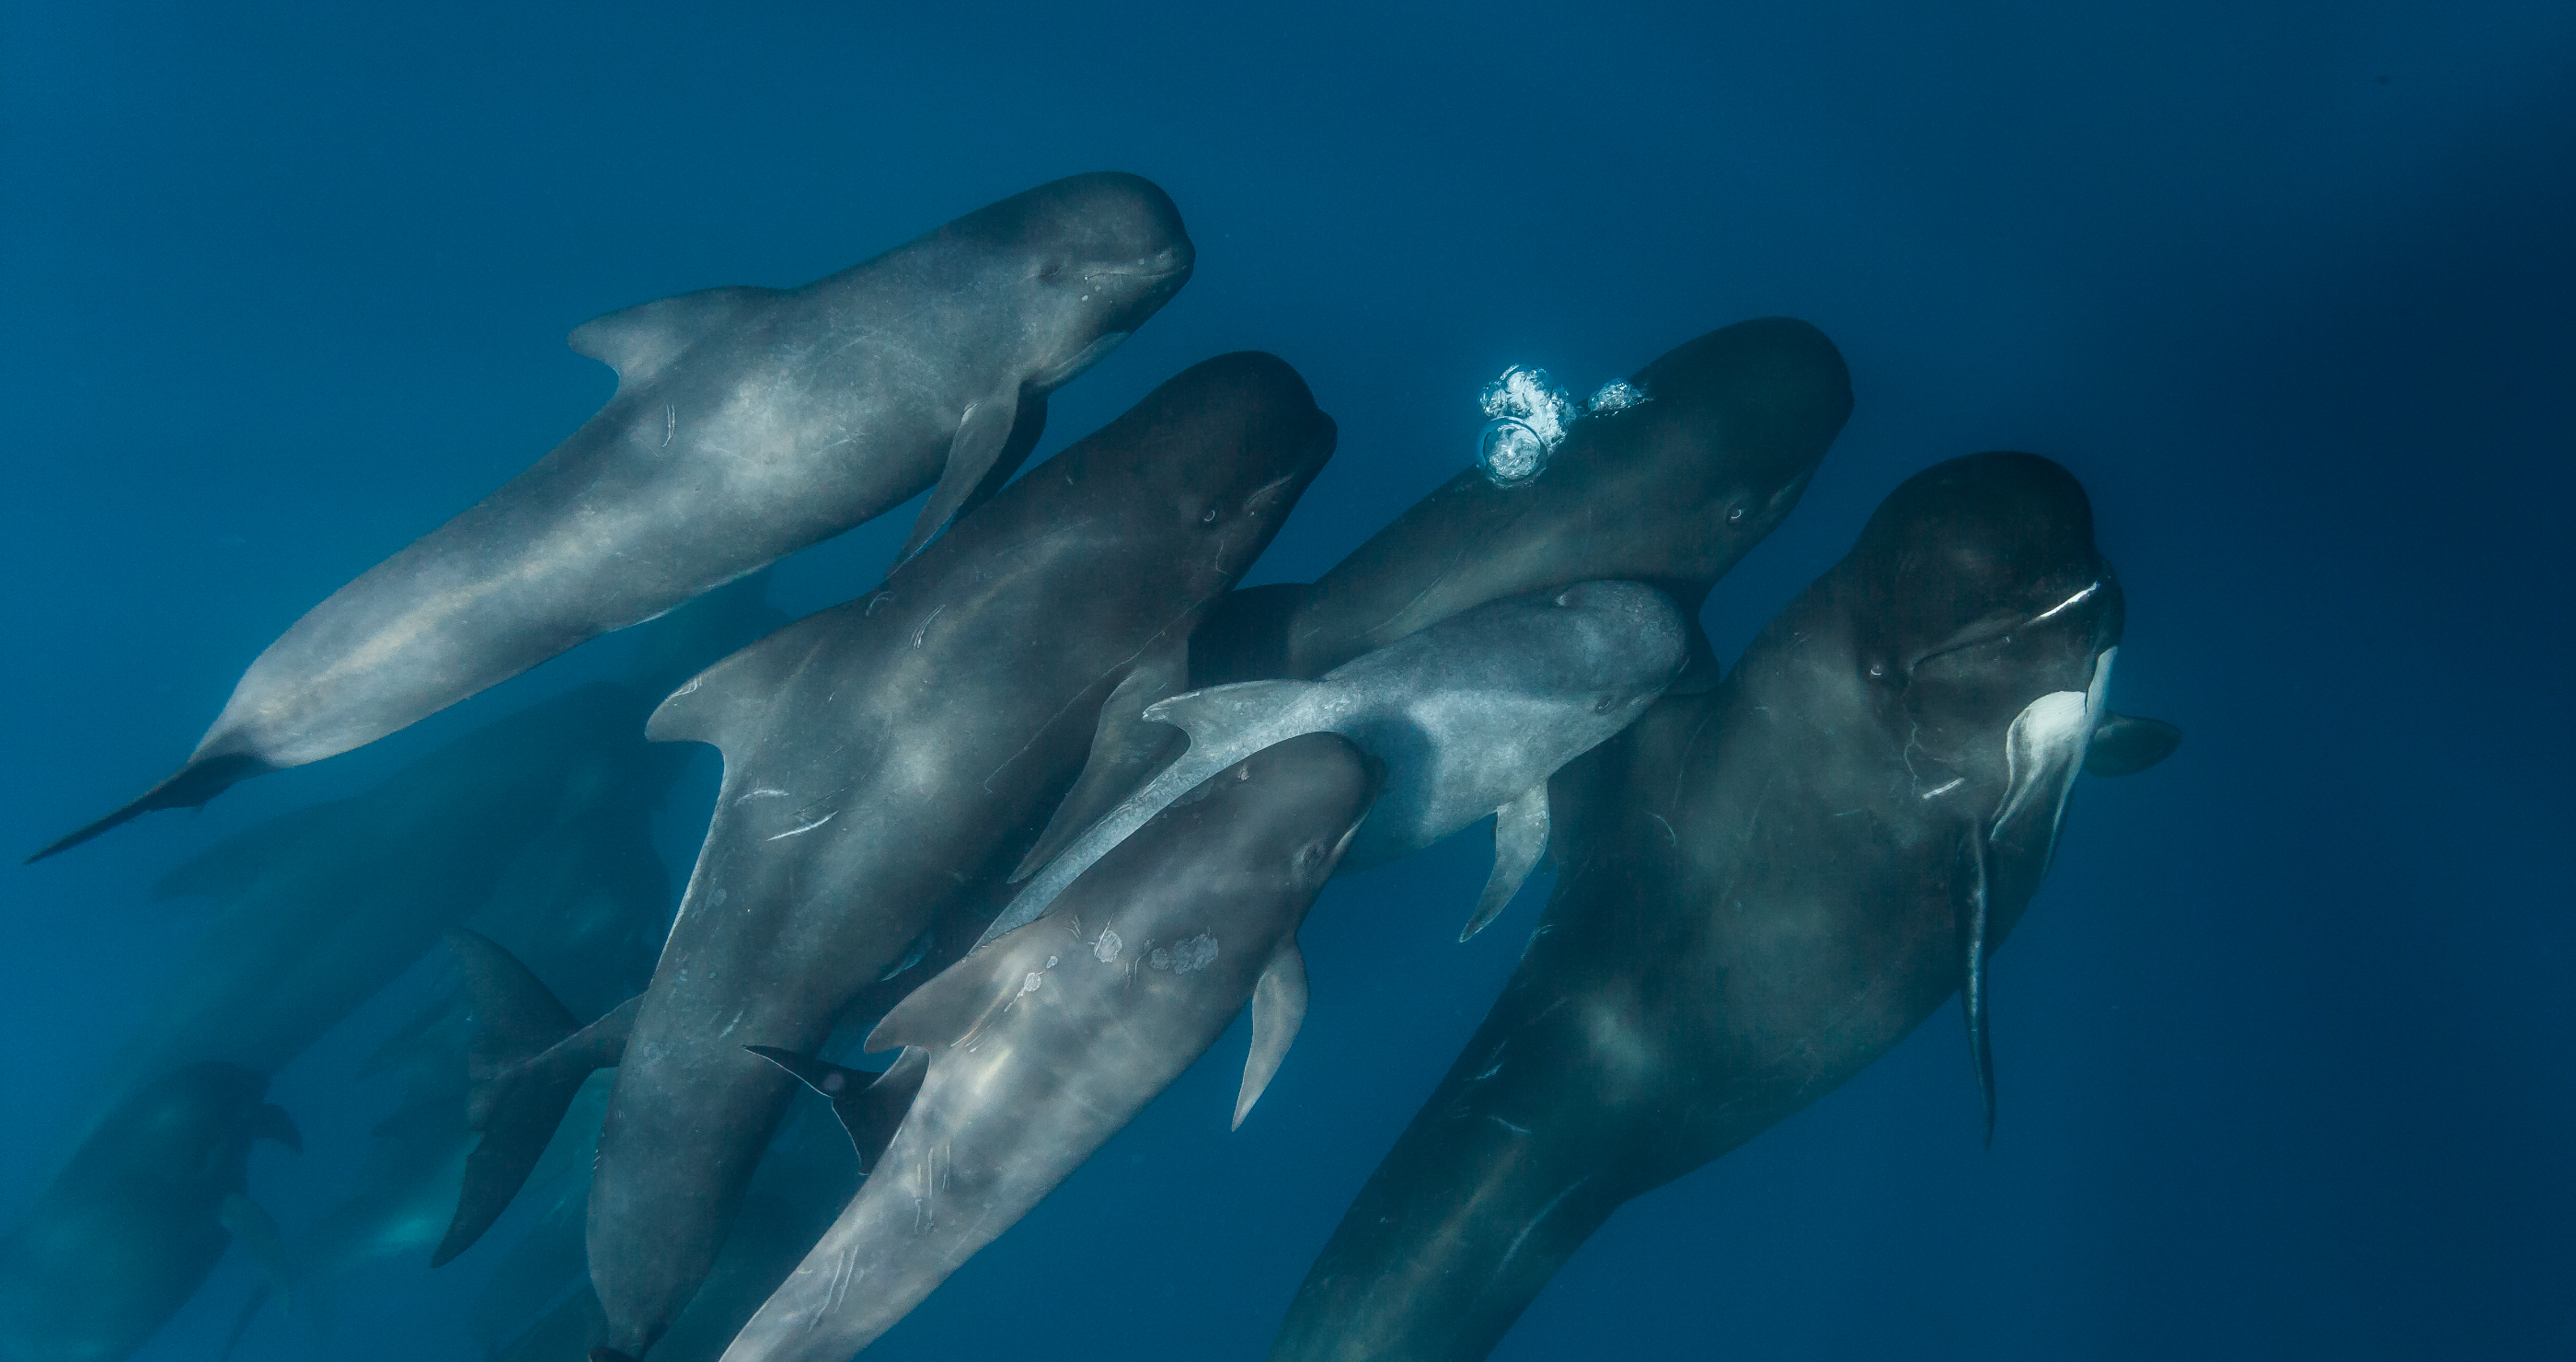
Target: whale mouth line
(1141, 274)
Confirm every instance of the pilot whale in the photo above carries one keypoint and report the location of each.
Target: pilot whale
(1671, 490)
(1470, 717)
(1789, 874)
(1035, 1051)
(880, 757)
(748, 423)
(142, 1212)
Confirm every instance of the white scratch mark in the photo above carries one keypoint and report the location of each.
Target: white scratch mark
(764, 792)
(1543, 1213)
(1669, 835)
(670, 424)
(1517, 1130)
(1945, 787)
(918, 634)
(2071, 600)
(810, 826)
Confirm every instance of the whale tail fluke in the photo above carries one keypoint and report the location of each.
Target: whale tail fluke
(870, 1106)
(529, 1060)
(196, 782)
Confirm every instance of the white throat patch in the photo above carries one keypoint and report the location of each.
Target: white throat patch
(2044, 749)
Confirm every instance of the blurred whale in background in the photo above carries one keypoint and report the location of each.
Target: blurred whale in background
(586, 904)
(1469, 717)
(1039, 1048)
(1716, 443)
(325, 906)
(805, 1177)
(1786, 876)
(879, 758)
(130, 1228)
(748, 423)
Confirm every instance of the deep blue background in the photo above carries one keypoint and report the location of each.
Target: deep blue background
(2285, 1043)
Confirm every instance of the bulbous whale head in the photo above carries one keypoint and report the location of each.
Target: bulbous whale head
(1222, 449)
(1977, 553)
(1975, 593)
(1106, 251)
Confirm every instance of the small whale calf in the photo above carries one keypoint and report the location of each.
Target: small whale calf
(1469, 716)
(748, 423)
(1033, 1052)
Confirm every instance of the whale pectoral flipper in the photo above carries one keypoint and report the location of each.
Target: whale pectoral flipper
(2125, 744)
(1278, 1010)
(636, 341)
(1972, 918)
(951, 1006)
(1520, 842)
(271, 1122)
(870, 1105)
(1126, 750)
(528, 1061)
(1225, 724)
(255, 1230)
(998, 423)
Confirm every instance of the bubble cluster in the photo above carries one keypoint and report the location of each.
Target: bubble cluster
(1614, 396)
(1529, 419)
(1528, 423)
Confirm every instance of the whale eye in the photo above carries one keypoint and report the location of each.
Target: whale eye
(1878, 669)
(1735, 516)
(1208, 517)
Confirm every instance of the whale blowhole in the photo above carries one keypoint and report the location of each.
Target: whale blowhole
(1528, 421)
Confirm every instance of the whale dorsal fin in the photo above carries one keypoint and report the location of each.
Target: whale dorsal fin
(1226, 724)
(636, 341)
(1222, 716)
(719, 705)
(1520, 840)
(2124, 744)
(1127, 749)
(1278, 1009)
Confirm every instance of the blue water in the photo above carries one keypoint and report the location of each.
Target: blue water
(2284, 1043)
